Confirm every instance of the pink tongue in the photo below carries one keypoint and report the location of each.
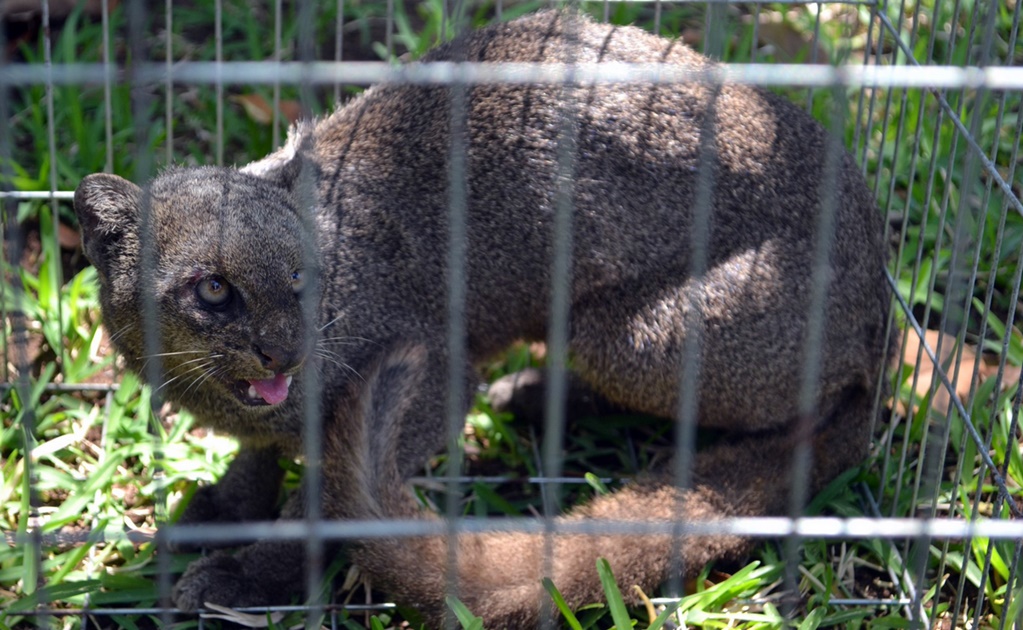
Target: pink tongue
(272, 390)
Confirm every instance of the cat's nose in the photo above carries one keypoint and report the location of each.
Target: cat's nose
(277, 358)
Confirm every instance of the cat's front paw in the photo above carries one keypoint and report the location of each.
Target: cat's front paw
(218, 579)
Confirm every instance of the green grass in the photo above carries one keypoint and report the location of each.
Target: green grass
(109, 462)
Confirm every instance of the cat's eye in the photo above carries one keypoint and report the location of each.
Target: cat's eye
(298, 279)
(213, 291)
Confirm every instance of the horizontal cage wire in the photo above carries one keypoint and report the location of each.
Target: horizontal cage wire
(97, 466)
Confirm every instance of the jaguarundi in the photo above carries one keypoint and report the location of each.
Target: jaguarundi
(352, 215)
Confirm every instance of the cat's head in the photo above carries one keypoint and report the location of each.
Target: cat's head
(228, 259)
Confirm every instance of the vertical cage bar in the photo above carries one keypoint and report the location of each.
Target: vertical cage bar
(954, 315)
(824, 236)
(813, 342)
(885, 118)
(560, 287)
(944, 205)
(561, 277)
(987, 37)
(389, 30)
(714, 30)
(864, 104)
(754, 48)
(10, 234)
(813, 51)
(458, 92)
(929, 189)
(276, 114)
(16, 350)
(456, 325)
(58, 281)
(905, 220)
(51, 149)
(168, 103)
(141, 100)
(218, 39)
(108, 114)
(339, 44)
(312, 439)
(691, 368)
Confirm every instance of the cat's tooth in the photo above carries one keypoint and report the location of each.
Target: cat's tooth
(287, 381)
(252, 392)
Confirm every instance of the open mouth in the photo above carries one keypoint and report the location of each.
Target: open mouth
(267, 391)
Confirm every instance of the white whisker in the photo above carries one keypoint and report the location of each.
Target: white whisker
(331, 322)
(170, 354)
(202, 378)
(201, 366)
(331, 357)
(120, 332)
(209, 356)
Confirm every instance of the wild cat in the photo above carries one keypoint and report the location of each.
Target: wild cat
(232, 269)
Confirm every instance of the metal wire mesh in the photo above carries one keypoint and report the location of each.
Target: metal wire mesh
(940, 499)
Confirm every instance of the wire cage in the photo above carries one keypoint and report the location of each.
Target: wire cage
(927, 95)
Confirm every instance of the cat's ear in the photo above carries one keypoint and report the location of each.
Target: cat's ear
(284, 166)
(107, 207)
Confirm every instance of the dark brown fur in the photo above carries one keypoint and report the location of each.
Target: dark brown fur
(379, 225)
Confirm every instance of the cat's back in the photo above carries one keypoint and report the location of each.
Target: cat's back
(641, 153)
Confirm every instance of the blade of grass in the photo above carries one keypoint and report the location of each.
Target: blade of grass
(465, 617)
(813, 620)
(619, 613)
(562, 605)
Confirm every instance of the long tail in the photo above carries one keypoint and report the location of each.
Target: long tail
(499, 574)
